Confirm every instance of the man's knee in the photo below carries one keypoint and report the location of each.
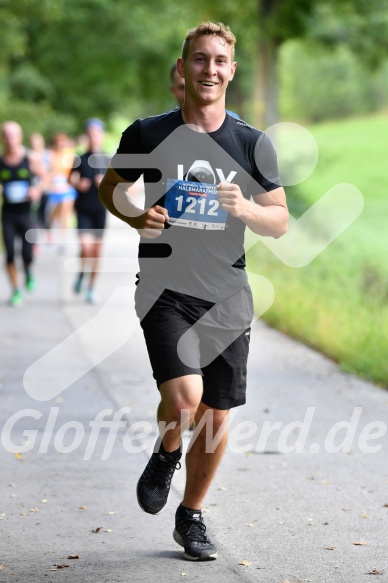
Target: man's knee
(211, 420)
(181, 396)
(181, 408)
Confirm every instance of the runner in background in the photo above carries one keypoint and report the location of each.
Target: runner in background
(19, 170)
(177, 86)
(61, 194)
(38, 146)
(91, 213)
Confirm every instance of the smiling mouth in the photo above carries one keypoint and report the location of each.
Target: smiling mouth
(208, 83)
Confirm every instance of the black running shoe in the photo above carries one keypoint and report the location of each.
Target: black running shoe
(190, 533)
(154, 484)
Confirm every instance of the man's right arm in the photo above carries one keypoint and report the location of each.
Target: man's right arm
(114, 195)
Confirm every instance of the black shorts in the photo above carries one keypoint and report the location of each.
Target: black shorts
(93, 223)
(186, 335)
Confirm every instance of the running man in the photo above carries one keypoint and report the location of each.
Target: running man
(19, 171)
(91, 214)
(209, 176)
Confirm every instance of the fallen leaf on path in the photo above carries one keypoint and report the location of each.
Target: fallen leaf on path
(97, 529)
(245, 563)
(73, 557)
(375, 572)
(360, 543)
(112, 513)
(249, 524)
(44, 501)
(64, 566)
(53, 569)
(385, 506)
(1, 567)
(331, 548)
(82, 507)
(108, 530)
(18, 456)
(184, 574)
(222, 489)
(34, 509)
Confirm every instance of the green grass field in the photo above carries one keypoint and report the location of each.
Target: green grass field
(339, 303)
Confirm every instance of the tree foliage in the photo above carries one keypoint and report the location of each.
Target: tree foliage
(65, 60)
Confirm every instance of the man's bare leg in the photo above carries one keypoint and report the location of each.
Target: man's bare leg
(180, 399)
(202, 460)
(13, 275)
(180, 395)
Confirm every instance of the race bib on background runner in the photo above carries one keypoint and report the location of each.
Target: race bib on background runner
(16, 191)
(194, 205)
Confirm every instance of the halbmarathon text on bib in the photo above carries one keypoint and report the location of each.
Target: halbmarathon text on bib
(194, 205)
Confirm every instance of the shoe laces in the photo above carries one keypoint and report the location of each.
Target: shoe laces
(161, 470)
(196, 528)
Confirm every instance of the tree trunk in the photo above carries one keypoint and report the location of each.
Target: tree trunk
(265, 95)
(265, 99)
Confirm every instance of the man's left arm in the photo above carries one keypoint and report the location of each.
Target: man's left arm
(267, 215)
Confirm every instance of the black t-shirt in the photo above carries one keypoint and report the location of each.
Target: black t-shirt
(88, 202)
(195, 256)
(16, 181)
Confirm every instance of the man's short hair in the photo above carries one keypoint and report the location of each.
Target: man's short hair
(208, 28)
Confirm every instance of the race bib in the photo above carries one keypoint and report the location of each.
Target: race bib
(194, 205)
(16, 191)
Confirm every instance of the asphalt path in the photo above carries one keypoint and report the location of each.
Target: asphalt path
(302, 492)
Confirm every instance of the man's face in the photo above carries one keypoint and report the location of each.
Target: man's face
(208, 69)
(95, 136)
(12, 135)
(178, 87)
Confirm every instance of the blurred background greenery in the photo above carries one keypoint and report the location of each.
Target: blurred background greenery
(320, 63)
